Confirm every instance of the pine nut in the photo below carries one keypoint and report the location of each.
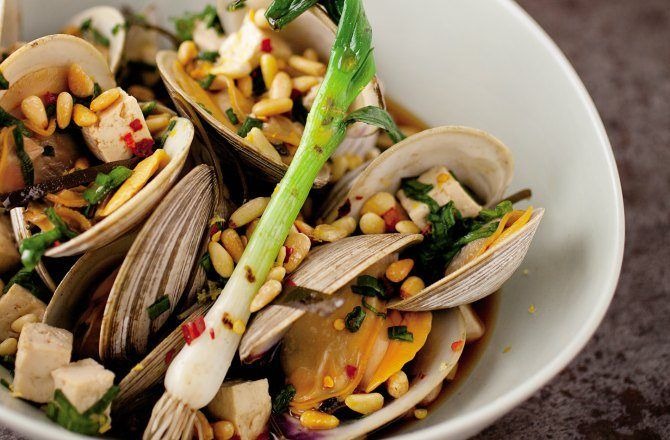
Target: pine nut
(339, 324)
(18, 324)
(187, 52)
(158, 123)
(420, 413)
(141, 93)
(223, 430)
(432, 396)
(379, 203)
(348, 223)
(281, 86)
(398, 270)
(259, 19)
(272, 107)
(364, 403)
(33, 109)
(304, 83)
(304, 228)
(317, 420)
(105, 99)
(8, 347)
(248, 212)
(216, 236)
(233, 243)
(338, 168)
(221, 259)
(277, 273)
(299, 245)
(407, 227)
(207, 432)
(329, 233)
(64, 105)
(371, 223)
(260, 143)
(83, 117)
(411, 286)
(246, 86)
(80, 84)
(397, 385)
(310, 54)
(268, 68)
(268, 292)
(307, 66)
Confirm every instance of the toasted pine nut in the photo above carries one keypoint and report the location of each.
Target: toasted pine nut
(239, 327)
(158, 123)
(338, 167)
(304, 228)
(407, 227)
(221, 259)
(248, 212)
(80, 84)
(223, 430)
(397, 385)
(317, 420)
(307, 66)
(338, 324)
(277, 273)
(18, 323)
(259, 19)
(187, 52)
(272, 107)
(207, 432)
(379, 203)
(33, 109)
(354, 161)
(268, 292)
(364, 403)
(260, 143)
(246, 86)
(310, 54)
(329, 233)
(64, 105)
(304, 83)
(348, 223)
(281, 256)
(268, 68)
(8, 347)
(141, 93)
(83, 117)
(411, 286)
(371, 223)
(281, 86)
(105, 99)
(420, 413)
(233, 243)
(299, 245)
(432, 395)
(216, 236)
(398, 270)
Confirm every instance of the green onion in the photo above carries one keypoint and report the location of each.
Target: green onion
(379, 118)
(249, 123)
(367, 285)
(235, 5)
(354, 319)
(4, 84)
(232, 117)
(186, 23)
(148, 107)
(59, 223)
(204, 107)
(105, 183)
(400, 333)
(99, 38)
(372, 309)
(85, 25)
(208, 55)
(206, 82)
(160, 306)
(93, 421)
(483, 232)
(282, 400)
(166, 133)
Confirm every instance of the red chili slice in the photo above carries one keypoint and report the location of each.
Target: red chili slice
(144, 147)
(391, 217)
(266, 45)
(191, 330)
(289, 252)
(351, 371)
(49, 98)
(136, 124)
(457, 345)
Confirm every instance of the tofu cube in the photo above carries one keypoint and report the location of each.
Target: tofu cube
(474, 327)
(247, 405)
(445, 189)
(9, 255)
(17, 302)
(83, 383)
(106, 138)
(42, 349)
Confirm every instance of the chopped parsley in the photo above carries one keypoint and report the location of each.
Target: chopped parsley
(87, 28)
(208, 55)
(367, 285)
(400, 333)
(249, 123)
(354, 319)
(185, 25)
(232, 117)
(282, 400)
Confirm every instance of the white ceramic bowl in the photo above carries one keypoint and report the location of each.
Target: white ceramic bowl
(485, 64)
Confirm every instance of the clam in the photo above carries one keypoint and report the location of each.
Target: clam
(312, 29)
(102, 26)
(485, 166)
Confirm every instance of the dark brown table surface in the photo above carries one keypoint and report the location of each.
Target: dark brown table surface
(619, 386)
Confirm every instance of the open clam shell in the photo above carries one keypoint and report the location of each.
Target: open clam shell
(10, 23)
(433, 363)
(160, 262)
(109, 22)
(21, 232)
(312, 28)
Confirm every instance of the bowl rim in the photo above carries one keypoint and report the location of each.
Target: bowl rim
(475, 421)
(478, 419)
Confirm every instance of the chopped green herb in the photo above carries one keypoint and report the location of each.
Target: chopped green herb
(117, 27)
(206, 82)
(208, 55)
(400, 333)
(249, 123)
(48, 151)
(29, 280)
(27, 168)
(379, 118)
(166, 133)
(483, 232)
(33, 247)
(4, 84)
(185, 25)
(486, 215)
(354, 319)
(105, 183)
(93, 421)
(372, 309)
(367, 285)
(235, 5)
(85, 25)
(59, 223)
(160, 306)
(204, 107)
(148, 107)
(282, 400)
(419, 191)
(232, 117)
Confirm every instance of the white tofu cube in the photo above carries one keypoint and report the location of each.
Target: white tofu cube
(445, 189)
(9, 255)
(247, 405)
(83, 383)
(41, 350)
(105, 138)
(474, 327)
(15, 303)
